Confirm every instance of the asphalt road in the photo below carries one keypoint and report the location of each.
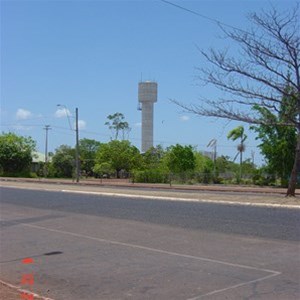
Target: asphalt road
(96, 247)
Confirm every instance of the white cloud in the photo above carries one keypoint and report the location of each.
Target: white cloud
(138, 124)
(62, 113)
(23, 114)
(81, 124)
(184, 118)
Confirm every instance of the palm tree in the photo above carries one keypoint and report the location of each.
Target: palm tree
(238, 133)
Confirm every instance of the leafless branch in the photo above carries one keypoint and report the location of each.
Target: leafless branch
(268, 63)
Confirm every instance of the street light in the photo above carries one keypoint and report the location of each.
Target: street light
(213, 144)
(47, 128)
(67, 112)
(77, 165)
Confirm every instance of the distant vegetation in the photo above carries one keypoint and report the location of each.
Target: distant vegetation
(120, 159)
(16, 154)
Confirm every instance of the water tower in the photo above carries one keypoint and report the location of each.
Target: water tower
(147, 96)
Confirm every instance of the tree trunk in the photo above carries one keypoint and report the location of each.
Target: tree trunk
(241, 163)
(118, 173)
(291, 192)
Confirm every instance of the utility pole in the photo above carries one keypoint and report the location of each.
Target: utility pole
(77, 163)
(215, 159)
(77, 147)
(47, 128)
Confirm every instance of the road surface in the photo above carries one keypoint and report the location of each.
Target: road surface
(100, 247)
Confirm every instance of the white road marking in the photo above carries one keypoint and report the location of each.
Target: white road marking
(150, 249)
(272, 272)
(235, 286)
(20, 290)
(182, 199)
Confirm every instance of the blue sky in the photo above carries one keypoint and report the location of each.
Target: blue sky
(92, 54)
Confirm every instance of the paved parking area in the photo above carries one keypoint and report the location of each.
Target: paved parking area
(114, 248)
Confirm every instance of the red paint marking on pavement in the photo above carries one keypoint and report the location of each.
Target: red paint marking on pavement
(26, 296)
(27, 260)
(27, 279)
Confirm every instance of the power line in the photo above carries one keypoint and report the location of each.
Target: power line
(66, 131)
(21, 125)
(203, 16)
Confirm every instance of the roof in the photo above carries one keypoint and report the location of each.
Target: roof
(38, 157)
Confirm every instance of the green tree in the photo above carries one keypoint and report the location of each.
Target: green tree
(117, 124)
(204, 166)
(203, 162)
(153, 168)
(88, 149)
(120, 155)
(249, 168)
(63, 162)
(16, 153)
(238, 133)
(152, 158)
(223, 164)
(180, 159)
(102, 169)
(278, 143)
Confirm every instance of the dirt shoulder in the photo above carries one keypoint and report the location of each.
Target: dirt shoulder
(9, 293)
(128, 183)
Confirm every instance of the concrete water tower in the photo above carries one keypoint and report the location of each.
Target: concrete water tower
(147, 96)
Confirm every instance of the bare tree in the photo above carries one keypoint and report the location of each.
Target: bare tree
(257, 75)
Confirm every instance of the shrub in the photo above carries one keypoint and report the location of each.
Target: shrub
(261, 178)
(150, 176)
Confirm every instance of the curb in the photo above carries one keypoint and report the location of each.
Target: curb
(222, 202)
